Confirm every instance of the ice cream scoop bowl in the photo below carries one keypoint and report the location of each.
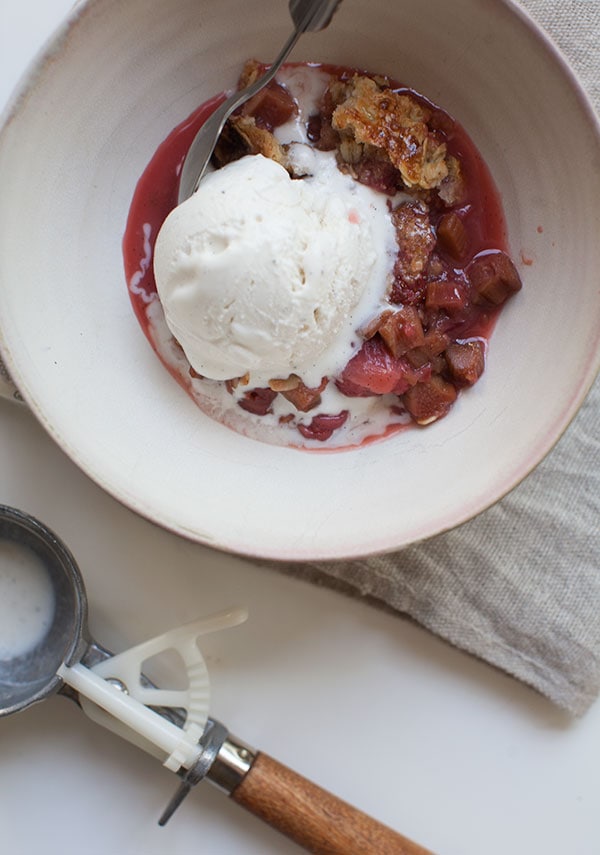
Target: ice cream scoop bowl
(32, 676)
(170, 724)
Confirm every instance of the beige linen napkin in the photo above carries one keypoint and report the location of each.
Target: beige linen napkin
(519, 586)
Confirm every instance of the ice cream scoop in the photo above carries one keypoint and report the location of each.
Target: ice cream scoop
(114, 692)
(259, 273)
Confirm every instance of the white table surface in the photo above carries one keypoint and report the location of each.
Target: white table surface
(444, 748)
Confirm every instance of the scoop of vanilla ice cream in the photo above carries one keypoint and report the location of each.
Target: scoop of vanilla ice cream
(263, 274)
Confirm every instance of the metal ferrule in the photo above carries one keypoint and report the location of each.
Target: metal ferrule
(231, 764)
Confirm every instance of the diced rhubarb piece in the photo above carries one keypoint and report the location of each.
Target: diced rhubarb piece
(323, 426)
(371, 328)
(417, 357)
(435, 343)
(303, 397)
(258, 401)
(493, 278)
(445, 294)
(438, 365)
(401, 330)
(452, 235)
(272, 106)
(465, 361)
(372, 371)
(429, 401)
(411, 375)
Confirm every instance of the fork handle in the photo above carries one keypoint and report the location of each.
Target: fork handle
(312, 15)
(312, 817)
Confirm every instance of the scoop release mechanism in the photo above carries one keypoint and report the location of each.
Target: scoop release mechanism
(171, 724)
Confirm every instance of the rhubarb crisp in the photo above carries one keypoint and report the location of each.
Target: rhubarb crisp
(418, 216)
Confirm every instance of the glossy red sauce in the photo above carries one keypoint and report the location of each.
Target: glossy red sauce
(154, 198)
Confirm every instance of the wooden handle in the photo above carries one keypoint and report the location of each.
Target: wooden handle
(312, 817)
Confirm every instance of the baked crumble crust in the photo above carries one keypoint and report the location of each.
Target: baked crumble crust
(395, 123)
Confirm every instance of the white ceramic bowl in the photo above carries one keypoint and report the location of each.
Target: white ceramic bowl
(89, 114)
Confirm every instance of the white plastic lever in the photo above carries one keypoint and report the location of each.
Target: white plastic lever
(113, 693)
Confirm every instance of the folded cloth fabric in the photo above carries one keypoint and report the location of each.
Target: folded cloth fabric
(518, 586)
